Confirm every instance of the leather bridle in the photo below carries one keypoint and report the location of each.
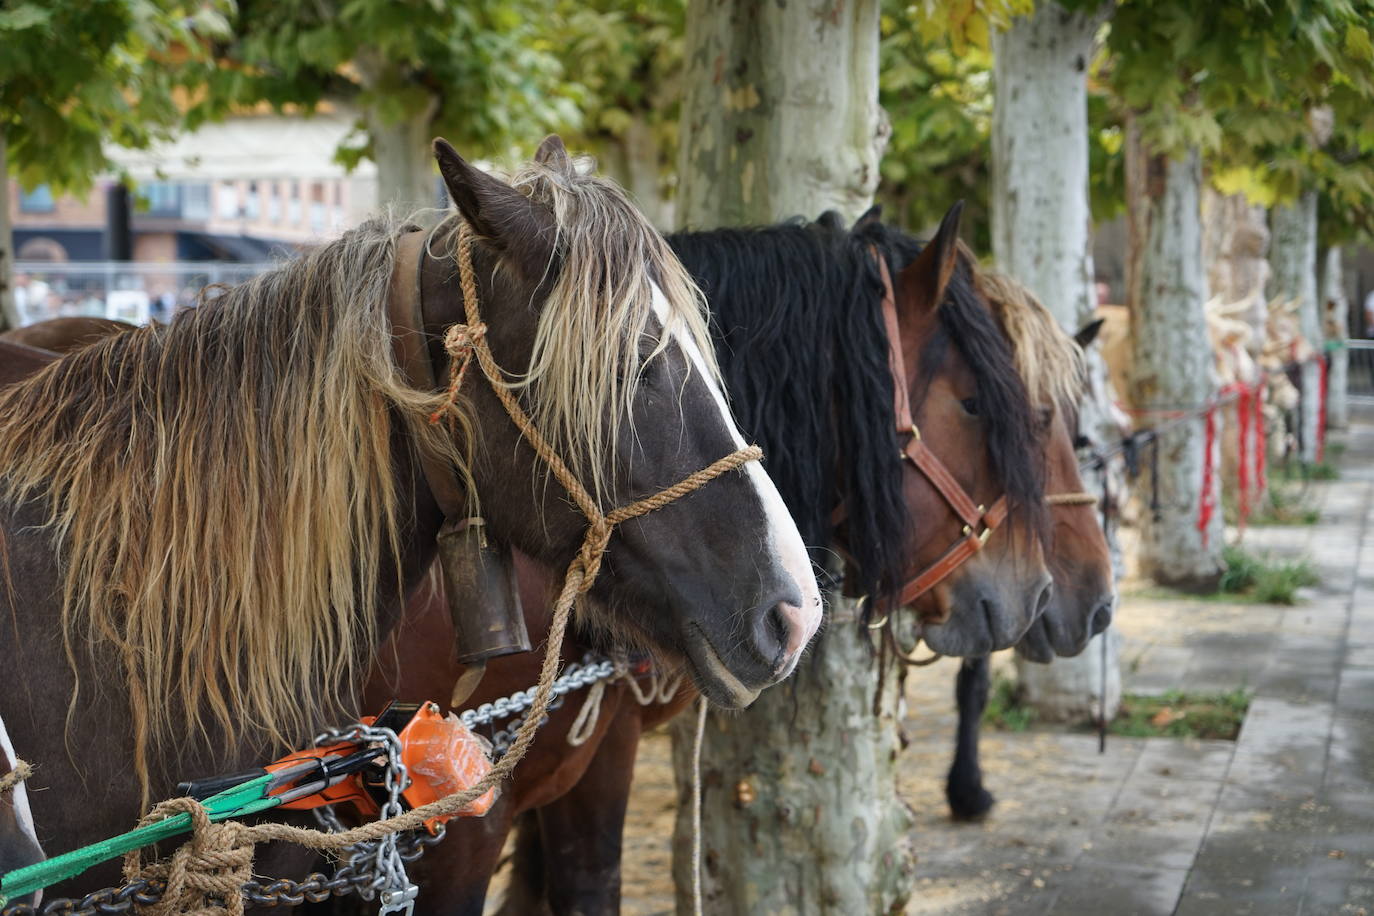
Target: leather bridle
(979, 522)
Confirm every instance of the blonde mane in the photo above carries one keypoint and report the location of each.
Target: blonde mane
(593, 340)
(220, 490)
(220, 493)
(1047, 359)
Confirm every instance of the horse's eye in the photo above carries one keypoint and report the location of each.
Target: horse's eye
(970, 406)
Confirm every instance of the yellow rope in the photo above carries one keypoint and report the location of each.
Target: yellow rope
(15, 776)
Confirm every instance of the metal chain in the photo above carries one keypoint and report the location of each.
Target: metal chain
(366, 871)
(379, 860)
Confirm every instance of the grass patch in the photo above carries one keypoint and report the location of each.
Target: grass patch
(1284, 505)
(1182, 715)
(1005, 711)
(1175, 714)
(1263, 579)
(1297, 470)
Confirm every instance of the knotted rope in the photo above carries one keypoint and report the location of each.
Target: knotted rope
(205, 876)
(20, 772)
(215, 852)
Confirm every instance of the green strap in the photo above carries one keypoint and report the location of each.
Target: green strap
(247, 798)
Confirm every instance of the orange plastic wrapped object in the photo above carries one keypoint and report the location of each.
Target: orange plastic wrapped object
(443, 756)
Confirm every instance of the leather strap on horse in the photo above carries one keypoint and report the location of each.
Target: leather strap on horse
(207, 843)
(979, 523)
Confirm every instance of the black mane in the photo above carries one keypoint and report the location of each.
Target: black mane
(797, 319)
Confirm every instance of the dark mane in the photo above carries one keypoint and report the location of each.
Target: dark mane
(1009, 417)
(797, 319)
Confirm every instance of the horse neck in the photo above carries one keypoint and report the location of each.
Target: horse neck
(420, 528)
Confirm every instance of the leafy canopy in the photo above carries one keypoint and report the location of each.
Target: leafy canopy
(75, 74)
(485, 72)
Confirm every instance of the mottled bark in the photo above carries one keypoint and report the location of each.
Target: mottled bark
(1235, 243)
(799, 807)
(1041, 235)
(1173, 367)
(9, 311)
(781, 114)
(400, 146)
(633, 160)
(801, 813)
(1335, 326)
(1293, 259)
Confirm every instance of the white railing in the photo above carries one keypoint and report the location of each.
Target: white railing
(1360, 384)
(134, 291)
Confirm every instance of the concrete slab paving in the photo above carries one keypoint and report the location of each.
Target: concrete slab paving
(1280, 821)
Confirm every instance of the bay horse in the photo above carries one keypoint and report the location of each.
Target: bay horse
(823, 316)
(208, 525)
(62, 335)
(1084, 597)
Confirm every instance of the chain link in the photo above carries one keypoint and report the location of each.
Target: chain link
(367, 871)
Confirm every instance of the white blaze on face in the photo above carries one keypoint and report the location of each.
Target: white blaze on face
(19, 794)
(783, 536)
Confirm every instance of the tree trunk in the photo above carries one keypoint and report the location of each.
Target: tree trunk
(781, 114)
(1335, 327)
(1235, 242)
(632, 160)
(800, 807)
(1041, 235)
(400, 146)
(1293, 257)
(9, 309)
(800, 813)
(1173, 363)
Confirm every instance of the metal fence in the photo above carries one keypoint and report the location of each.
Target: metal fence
(1361, 378)
(136, 291)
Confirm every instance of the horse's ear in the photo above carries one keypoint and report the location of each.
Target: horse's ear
(1088, 333)
(926, 278)
(553, 154)
(512, 222)
(872, 215)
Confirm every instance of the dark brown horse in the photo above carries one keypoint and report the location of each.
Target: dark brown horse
(207, 525)
(62, 335)
(570, 801)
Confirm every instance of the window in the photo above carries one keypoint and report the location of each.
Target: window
(39, 200)
(228, 202)
(293, 207)
(195, 202)
(316, 216)
(252, 208)
(163, 198)
(273, 203)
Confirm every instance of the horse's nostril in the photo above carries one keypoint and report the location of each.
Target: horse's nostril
(1042, 600)
(1101, 618)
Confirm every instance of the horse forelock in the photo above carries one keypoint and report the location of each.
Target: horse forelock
(597, 328)
(1047, 358)
(221, 497)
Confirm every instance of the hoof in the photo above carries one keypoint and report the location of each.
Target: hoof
(969, 804)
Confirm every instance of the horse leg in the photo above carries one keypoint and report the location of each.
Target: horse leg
(526, 892)
(582, 830)
(968, 800)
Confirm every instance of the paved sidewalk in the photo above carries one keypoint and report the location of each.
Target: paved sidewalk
(1279, 822)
